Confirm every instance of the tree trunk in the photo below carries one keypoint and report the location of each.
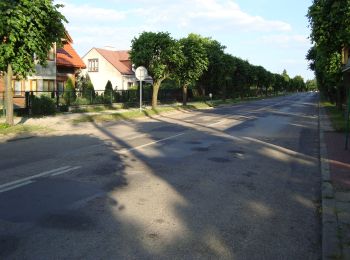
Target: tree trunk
(9, 96)
(184, 95)
(224, 92)
(156, 86)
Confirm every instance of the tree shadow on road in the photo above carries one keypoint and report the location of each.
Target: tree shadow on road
(203, 194)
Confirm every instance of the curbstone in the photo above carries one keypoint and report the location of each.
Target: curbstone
(331, 244)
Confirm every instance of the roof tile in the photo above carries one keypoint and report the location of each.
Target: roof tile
(67, 57)
(119, 59)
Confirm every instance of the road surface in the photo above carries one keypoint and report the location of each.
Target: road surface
(236, 182)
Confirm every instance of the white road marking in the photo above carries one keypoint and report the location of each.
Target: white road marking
(123, 151)
(16, 186)
(65, 171)
(28, 180)
(148, 144)
(33, 177)
(217, 123)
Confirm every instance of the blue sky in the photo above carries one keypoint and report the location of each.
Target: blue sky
(270, 33)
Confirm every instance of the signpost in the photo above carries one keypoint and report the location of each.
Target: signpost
(141, 74)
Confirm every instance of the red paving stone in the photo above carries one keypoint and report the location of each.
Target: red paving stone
(339, 160)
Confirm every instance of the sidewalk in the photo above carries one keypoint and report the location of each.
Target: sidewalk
(335, 167)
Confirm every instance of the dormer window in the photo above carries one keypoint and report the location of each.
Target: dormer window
(93, 65)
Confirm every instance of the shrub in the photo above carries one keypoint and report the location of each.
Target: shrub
(81, 101)
(89, 91)
(43, 105)
(108, 93)
(99, 99)
(69, 94)
(63, 108)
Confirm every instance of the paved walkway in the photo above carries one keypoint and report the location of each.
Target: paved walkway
(337, 195)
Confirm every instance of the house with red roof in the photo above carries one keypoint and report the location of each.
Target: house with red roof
(62, 63)
(68, 63)
(109, 64)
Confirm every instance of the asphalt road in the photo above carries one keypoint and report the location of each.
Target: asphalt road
(237, 182)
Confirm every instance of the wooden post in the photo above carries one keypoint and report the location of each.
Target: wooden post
(9, 96)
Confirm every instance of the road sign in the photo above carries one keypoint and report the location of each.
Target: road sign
(141, 73)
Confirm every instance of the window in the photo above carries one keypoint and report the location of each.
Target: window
(33, 85)
(17, 87)
(51, 54)
(49, 86)
(60, 86)
(93, 65)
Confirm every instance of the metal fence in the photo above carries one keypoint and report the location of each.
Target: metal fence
(23, 100)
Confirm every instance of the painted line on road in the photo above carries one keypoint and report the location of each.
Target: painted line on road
(148, 144)
(16, 186)
(65, 171)
(28, 180)
(33, 177)
(218, 123)
(123, 151)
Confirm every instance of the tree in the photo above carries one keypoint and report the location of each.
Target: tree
(69, 94)
(297, 83)
(159, 53)
(86, 87)
(108, 93)
(228, 71)
(311, 84)
(27, 29)
(286, 79)
(213, 77)
(279, 83)
(193, 62)
(330, 32)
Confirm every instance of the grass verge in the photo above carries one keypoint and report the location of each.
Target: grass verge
(337, 117)
(135, 113)
(6, 129)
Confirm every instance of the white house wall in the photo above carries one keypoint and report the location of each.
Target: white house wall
(41, 74)
(106, 71)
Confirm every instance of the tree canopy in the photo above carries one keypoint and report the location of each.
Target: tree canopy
(193, 63)
(330, 33)
(202, 64)
(159, 53)
(28, 28)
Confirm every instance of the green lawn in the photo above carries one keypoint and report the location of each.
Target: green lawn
(135, 113)
(337, 117)
(19, 129)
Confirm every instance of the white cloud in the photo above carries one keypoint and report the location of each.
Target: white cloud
(286, 40)
(117, 22)
(89, 14)
(206, 17)
(229, 13)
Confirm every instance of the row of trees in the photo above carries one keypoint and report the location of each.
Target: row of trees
(202, 63)
(330, 33)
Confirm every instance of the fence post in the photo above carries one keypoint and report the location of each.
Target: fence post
(26, 95)
(57, 98)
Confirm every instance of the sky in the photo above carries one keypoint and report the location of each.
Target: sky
(271, 33)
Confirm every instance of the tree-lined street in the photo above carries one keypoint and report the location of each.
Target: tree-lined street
(235, 182)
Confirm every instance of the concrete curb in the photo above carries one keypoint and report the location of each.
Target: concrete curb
(330, 239)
